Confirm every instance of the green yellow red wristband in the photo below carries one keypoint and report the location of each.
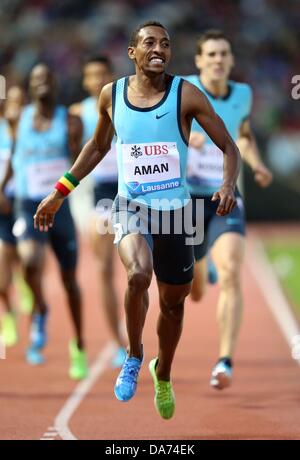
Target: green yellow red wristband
(66, 184)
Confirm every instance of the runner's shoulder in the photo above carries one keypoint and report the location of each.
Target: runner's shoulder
(242, 89)
(105, 98)
(190, 90)
(191, 97)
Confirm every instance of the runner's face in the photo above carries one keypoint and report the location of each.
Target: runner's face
(216, 60)
(152, 52)
(95, 76)
(41, 82)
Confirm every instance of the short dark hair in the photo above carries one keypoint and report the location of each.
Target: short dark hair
(101, 59)
(210, 34)
(134, 35)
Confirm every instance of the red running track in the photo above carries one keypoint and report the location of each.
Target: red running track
(263, 402)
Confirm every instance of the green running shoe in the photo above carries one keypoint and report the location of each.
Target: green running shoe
(79, 365)
(164, 399)
(9, 329)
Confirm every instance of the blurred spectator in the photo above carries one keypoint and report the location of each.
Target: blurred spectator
(265, 34)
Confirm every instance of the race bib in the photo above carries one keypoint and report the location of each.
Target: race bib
(206, 164)
(151, 167)
(41, 177)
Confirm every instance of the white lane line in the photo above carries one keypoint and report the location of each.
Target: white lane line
(271, 289)
(61, 423)
(81, 390)
(50, 434)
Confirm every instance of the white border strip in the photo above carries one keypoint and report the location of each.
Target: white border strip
(271, 289)
(61, 423)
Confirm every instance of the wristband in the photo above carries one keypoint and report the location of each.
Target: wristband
(66, 184)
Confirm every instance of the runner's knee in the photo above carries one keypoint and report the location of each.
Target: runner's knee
(172, 311)
(31, 265)
(172, 302)
(138, 278)
(229, 274)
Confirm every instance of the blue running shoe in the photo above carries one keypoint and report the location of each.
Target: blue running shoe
(38, 335)
(212, 273)
(119, 358)
(34, 357)
(221, 375)
(126, 383)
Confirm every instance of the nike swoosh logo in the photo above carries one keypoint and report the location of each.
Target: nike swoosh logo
(160, 116)
(186, 269)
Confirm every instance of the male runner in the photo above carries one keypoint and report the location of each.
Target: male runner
(97, 72)
(13, 105)
(44, 136)
(151, 112)
(224, 235)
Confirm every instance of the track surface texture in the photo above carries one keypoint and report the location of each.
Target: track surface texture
(262, 403)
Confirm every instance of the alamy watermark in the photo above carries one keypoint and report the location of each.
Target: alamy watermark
(2, 348)
(296, 89)
(2, 87)
(162, 217)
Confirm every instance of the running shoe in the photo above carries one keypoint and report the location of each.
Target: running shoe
(34, 356)
(9, 329)
(79, 363)
(164, 399)
(38, 334)
(126, 383)
(119, 358)
(221, 375)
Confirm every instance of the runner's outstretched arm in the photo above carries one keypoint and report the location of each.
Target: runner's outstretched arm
(250, 154)
(196, 104)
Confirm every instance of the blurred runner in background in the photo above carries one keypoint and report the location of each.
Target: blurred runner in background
(97, 72)
(224, 235)
(10, 114)
(45, 137)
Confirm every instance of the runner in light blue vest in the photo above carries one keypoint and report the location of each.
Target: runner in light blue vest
(151, 170)
(232, 101)
(151, 113)
(97, 72)
(8, 254)
(7, 241)
(41, 152)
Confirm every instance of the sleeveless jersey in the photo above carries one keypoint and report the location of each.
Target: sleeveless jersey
(151, 149)
(40, 157)
(205, 166)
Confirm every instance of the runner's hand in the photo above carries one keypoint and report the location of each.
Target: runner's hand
(5, 204)
(44, 216)
(227, 200)
(263, 176)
